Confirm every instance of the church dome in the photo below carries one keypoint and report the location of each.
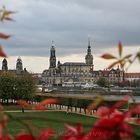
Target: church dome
(4, 60)
(19, 60)
(4, 64)
(19, 66)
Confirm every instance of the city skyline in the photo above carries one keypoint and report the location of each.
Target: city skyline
(69, 24)
(38, 64)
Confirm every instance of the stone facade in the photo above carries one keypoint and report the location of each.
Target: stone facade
(132, 79)
(79, 71)
(113, 76)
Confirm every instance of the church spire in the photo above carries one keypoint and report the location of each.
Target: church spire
(19, 66)
(89, 47)
(88, 41)
(52, 56)
(89, 57)
(4, 64)
(53, 43)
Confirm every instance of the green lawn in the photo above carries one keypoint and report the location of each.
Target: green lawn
(12, 107)
(44, 120)
(51, 119)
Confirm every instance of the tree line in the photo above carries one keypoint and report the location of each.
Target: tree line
(78, 103)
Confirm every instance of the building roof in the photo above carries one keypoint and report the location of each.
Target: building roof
(74, 64)
(106, 72)
(132, 75)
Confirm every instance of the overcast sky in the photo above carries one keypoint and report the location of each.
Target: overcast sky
(69, 23)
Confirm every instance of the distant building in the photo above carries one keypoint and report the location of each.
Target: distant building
(133, 79)
(132, 76)
(37, 78)
(60, 73)
(113, 76)
(75, 73)
(19, 67)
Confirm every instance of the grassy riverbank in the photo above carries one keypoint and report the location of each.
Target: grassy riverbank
(50, 119)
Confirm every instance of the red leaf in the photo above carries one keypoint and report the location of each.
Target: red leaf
(48, 101)
(134, 110)
(70, 128)
(112, 128)
(137, 121)
(108, 56)
(1, 130)
(126, 98)
(7, 137)
(119, 104)
(39, 107)
(79, 128)
(25, 137)
(4, 36)
(23, 103)
(2, 53)
(120, 49)
(113, 64)
(127, 56)
(46, 133)
(102, 111)
(73, 133)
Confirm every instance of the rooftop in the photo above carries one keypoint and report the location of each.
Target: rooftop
(74, 64)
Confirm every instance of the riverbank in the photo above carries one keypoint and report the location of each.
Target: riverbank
(101, 90)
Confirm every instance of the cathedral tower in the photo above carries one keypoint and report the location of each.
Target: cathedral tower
(52, 56)
(89, 57)
(4, 64)
(19, 66)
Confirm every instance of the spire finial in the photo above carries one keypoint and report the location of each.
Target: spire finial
(53, 43)
(88, 40)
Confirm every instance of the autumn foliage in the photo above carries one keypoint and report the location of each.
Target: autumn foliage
(112, 124)
(121, 60)
(40, 106)
(5, 15)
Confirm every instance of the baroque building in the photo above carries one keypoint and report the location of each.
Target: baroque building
(80, 72)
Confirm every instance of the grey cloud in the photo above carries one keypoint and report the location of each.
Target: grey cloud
(69, 23)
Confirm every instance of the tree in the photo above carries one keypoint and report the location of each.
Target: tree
(7, 83)
(102, 82)
(25, 87)
(16, 87)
